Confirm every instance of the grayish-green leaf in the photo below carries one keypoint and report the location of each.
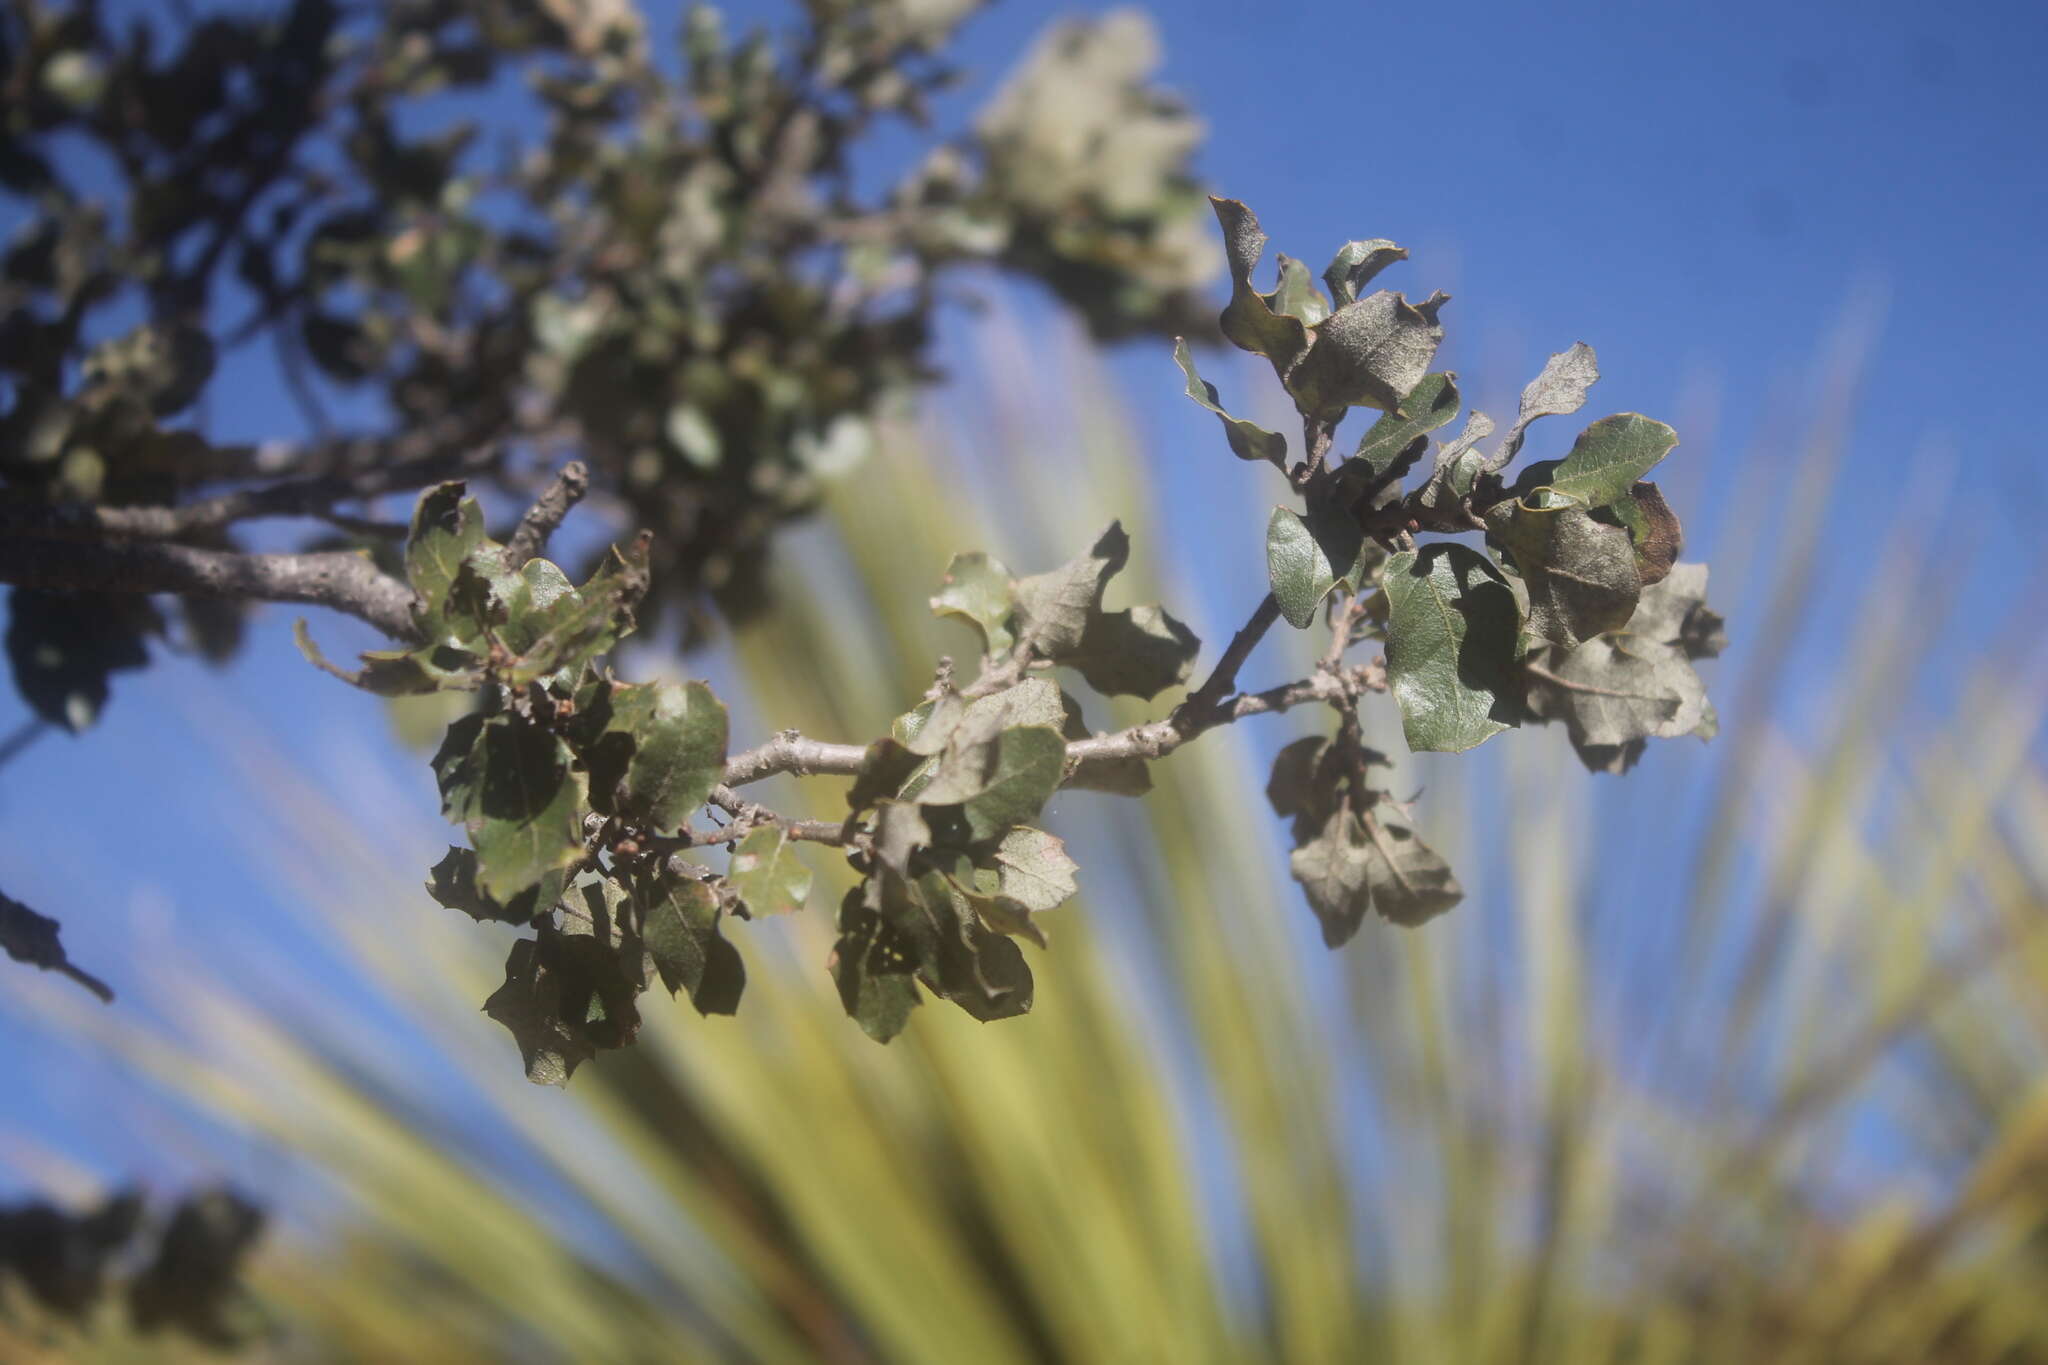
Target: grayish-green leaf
(1432, 403)
(1136, 653)
(1029, 763)
(447, 528)
(1559, 390)
(452, 882)
(1332, 871)
(1032, 868)
(766, 873)
(976, 589)
(517, 790)
(1615, 689)
(679, 926)
(529, 1005)
(1371, 860)
(874, 967)
(981, 971)
(1608, 458)
(1054, 607)
(1453, 629)
(1620, 690)
(1478, 426)
(1247, 320)
(1248, 441)
(1296, 786)
(1371, 353)
(1354, 266)
(1307, 558)
(1410, 883)
(1580, 573)
(1295, 296)
(677, 734)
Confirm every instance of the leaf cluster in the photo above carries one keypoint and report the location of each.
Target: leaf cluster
(952, 869)
(1572, 609)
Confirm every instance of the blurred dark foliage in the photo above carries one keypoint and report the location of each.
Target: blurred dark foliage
(497, 233)
(180, 1272)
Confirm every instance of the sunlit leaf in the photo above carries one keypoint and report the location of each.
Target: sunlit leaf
(976, 589)
(1452, 632)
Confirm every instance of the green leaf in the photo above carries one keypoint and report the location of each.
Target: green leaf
(974, 967)
(1355, 264)
(400, 672)
(447, 528)
(1478, 426)
(662, 752)
(517, 790)
(1053, 608)
(522, 603)
(1030, 760)
(1652, 528)
(1453, 628)
(679, 926)
(1580, 573)
(1035, 701)
(874, 966)
(1139, 651)
(766, 874)
(567, 629)
(1295, 296)
(1136, 653)
(1453, 480)
(1559, 390)
(976, 589)
(1432, 403)
(529, 1004)
(1248, 320)
(452, 882)
(1247, 441)
(1306, 559)
(1371, 353)
(1606, 461)
(1002, 780)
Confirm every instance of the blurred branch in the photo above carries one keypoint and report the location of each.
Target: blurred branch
(547, 512)
(1209, 706)
(340, 580)
(26, 734)
(32, 938)
(305, 497)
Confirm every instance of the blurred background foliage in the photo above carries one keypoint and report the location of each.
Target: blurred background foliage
(1737, 1059)
(480, 237)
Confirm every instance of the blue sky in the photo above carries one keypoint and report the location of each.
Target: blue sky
(1703, 192)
